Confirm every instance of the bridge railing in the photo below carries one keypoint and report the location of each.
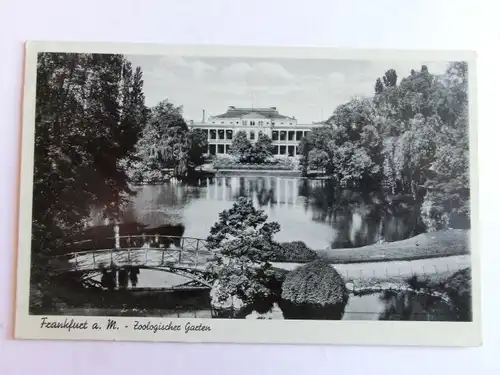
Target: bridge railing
(153, 240)
(132, 256)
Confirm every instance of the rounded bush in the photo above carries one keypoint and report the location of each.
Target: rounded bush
(314, 291)
(296, 251)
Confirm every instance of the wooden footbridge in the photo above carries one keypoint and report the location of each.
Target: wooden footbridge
(184, 256)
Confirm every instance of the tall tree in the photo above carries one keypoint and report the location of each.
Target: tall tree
(84, 130)
(447, 202)
(241, 147)
(163, 142)
(196, 144)
(79, 139)
(263, 149)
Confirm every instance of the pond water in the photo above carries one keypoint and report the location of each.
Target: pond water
(387, 305)
(314, 211)
(390, 305)
(308, 210)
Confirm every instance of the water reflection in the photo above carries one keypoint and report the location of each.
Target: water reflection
(311, 210)
(389, 305)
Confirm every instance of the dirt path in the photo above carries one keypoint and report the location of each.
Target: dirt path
(426, 245)
(429, 266)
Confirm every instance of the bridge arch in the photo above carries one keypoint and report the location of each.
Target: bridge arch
(194, 276)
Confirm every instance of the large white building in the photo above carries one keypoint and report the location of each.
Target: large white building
(284, 131)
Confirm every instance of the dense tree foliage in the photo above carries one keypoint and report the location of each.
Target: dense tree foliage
(168, 144)
(348, 147)
(410, 138)
(263, 149)
(89, 113)
(243, 243)
(243, 150)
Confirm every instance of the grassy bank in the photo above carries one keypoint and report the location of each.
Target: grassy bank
(426, 245)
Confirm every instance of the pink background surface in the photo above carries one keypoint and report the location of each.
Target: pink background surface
(428, 24)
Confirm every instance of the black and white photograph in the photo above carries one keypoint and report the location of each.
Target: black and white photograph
(186, 185)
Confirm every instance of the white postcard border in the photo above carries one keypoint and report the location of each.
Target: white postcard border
(229, 330)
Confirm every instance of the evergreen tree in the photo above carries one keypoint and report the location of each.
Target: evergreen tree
(241, 147)
(263, 149)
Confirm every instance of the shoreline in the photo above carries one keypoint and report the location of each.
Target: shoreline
(250, 172)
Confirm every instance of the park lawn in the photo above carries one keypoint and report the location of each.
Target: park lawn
(427, 245)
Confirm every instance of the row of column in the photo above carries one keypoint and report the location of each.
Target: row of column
(276, 135)
(288, 135)
(285, 150)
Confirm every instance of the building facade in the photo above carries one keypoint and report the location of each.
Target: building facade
(284, 131)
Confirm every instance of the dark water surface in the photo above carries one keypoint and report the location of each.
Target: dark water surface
(312, 211)
(387, 305)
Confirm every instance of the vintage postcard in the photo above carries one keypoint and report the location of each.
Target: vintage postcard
(248, 195)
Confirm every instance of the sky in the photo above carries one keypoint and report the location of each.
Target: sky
(308, 89)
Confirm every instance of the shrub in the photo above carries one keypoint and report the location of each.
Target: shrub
(296, 251)
(314, 291)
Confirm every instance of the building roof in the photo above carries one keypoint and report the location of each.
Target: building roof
(233, 112)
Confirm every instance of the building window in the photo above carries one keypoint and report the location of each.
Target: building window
(222, 122)
(276, 150)
(229, 134)
(212, 149)
(261, 123)
(244, 122)
(282, 136)
(282, 150)
(275, 135)
(213, 134)
(252, 136)
(290, 135)
(205, 131)
(230, 122)
(282, 123)
(213, 122)
(221, 134)
(228, 149)
(298, 136)
(220, 149)
(252, 123)
(291, 150)
(267, 123)
(273, 123)
(237, 122)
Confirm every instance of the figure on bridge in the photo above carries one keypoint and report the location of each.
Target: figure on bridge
(108, 279)
(123, 276)
(133, 274)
